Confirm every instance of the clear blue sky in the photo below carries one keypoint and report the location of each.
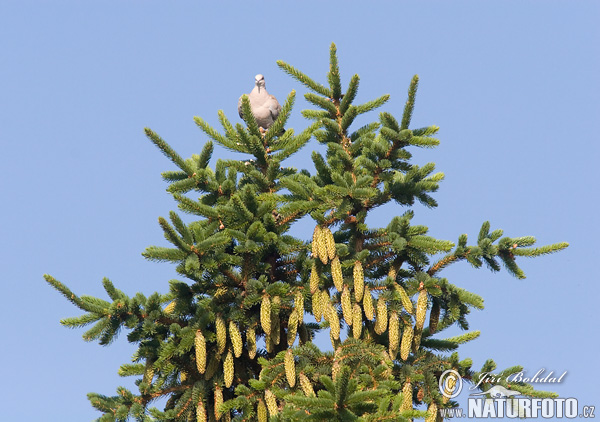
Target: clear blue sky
(513, 85)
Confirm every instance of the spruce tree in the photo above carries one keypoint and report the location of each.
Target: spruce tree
(233, 341)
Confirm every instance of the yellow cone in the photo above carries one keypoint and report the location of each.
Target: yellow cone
(336, 274)
(261, 411)
(271, 402)
(200, 411)
(200, 349)
(346, 305)
(334, 320)
(317, 305)
(306, 386)
(170, 307)
(367, 301)
(404, 298)
(236, 339)
(321, 245)
(221, 334)
(292, 328)
(218, 398)
(421, 310)
(228, 368)
(329, 243)
(394, 334)
(356, 321)
(407, 338)
(299, 306)
(251, 342)
(315, 241)
(382, 317)
(290, 368)
(265, 314)
(432, 412)
(407, 392)
(359, 281)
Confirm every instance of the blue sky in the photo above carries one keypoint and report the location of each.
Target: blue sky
(513, 86)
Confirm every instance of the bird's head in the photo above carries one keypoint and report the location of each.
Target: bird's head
(259, 81)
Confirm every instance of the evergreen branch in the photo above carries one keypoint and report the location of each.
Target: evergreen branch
(467, 297)
(205, 155)
(183, 186)
(333, 75)
(214, 241)
(511, 266)
(543, 250)
(364, 131)
(128, 369)
(162, 254)
(350, 94)
(315, 114)
(174, 176)
(64, 290)
(95, 304)
(230, 132)
(443, 263)
(410, 103)
(304, 79)
(389, 121)
(168, 151)
(332, 126)
(97, 330)
(181, 228)
(425, 142)
(323, 170)
(216, 136)
(371, 105)
(277, 128)
(292, 147)
(426, 131)
(484, 231)
(519, 241)
(282, 141)
(81, 321)
(324, 103)
(249, 117)
(171, 236)
(194, 207)
(440, 345)
(349, 117)
(112, 291)
(464, 338)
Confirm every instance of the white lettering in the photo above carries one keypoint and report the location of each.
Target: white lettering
(537, 375)
(536, 405)
(559, 407)
(525, 405)
(512, 408)
(518, 377)
(571, 408)
(547, 408)
(489, 411)
(475, 408)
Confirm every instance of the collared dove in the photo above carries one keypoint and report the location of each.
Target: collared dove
(265, 106)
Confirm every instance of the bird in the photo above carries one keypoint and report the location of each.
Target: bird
(265, 106)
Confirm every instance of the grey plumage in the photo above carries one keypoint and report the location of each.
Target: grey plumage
(265, 106)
